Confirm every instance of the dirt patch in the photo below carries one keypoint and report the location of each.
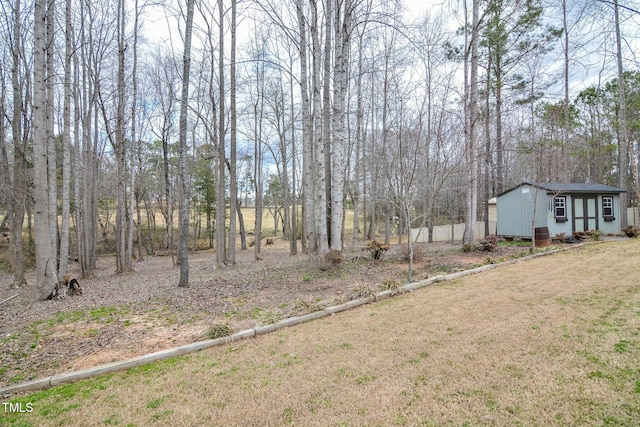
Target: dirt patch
(122, 316)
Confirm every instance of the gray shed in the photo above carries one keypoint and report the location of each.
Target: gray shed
(562, 208)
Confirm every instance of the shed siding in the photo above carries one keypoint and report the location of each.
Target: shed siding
(556, 228)
(610, 227)
(515, 211)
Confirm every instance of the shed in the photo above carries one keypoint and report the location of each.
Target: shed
(562, 208)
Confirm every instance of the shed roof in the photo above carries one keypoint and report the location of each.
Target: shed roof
(570, 188)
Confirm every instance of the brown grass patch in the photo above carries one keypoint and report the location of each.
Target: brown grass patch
(553, 341)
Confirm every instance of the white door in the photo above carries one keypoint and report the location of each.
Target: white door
(585, 213)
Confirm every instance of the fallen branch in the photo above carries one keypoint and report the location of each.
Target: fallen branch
(8, 299)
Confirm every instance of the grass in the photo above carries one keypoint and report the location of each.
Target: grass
(302, 307)
(266, 316)
(218, 330)
(361, 291)
(85, 323)
(391, 285)
(456, 353)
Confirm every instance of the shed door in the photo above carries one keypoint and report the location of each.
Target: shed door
(585, 213)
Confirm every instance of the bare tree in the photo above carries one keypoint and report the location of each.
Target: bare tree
(123, 261)
(308, 188)
(66, 144)
(624, 143)
(565, 41)
(17, 178)
(164, 78)
(233, 180)
(221, 234)
(321, 244)
(52, 164)
(183, 252)
(471, 115)
(135, 152)
(45, 248)
(87, 59)
(355, 187)
(257, 105)
(343, 22)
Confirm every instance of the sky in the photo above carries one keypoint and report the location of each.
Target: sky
(418, 7)
(155, 25)
(155, 30)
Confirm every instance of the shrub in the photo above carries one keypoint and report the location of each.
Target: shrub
(218, 331)
(631, 231)
(488, 244)
(595, 234)
(334, 257)
(580, 235)
(377, 249)
(466, 248)
(362, 292)
(591, 234)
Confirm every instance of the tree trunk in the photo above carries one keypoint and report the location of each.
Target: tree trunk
(567, 105)
(308, 189)
(338, 152)
(51, 143)
(318, 171)
(471, 107)
(387, 226)
(133, 200)
(499, 141)
(358, 144)
(326, 137)
(18, 183)
(10, 191)
(233, 180)
(372, 224)
(624, 143)
(183, 249)
(258, 111)
(243, 231)
(488, 156)
(66, 144)
(168, 211)
(284, 175)
(151, 225)
(293, 240)
(45, 254)
(85, 179)
(221, 234)
(123, 263)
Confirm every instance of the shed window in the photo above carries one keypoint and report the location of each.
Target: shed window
(607, 208)
(560, 208)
